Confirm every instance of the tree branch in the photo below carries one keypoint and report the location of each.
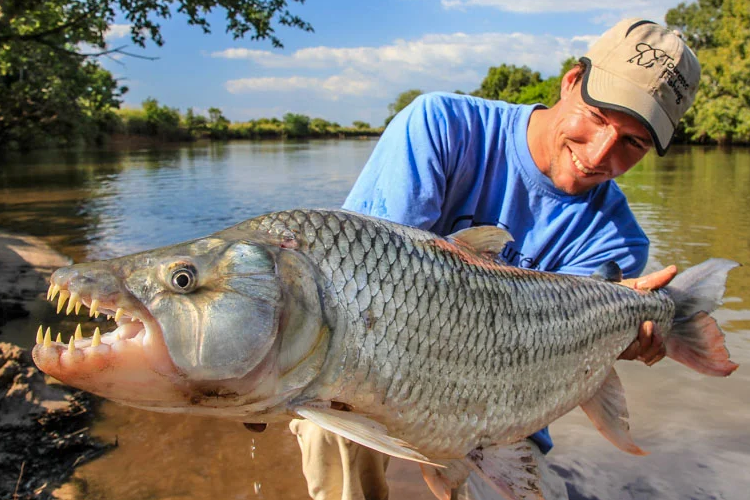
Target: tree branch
(42, 34)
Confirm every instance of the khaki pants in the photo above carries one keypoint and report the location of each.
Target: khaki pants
(338, 469)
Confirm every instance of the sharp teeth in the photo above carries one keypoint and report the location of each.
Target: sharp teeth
(53, 293)
(72, 303)
(109, 317)
(78, 306)
(119, 314)
(97, 338)
(64, 294)
(117, 336)
(78, 335)
(71, 345)
(47, 338)
(59, 337)
(93, 308)
(49, 290)
(39, 335)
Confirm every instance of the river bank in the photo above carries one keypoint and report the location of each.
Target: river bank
(44, 425)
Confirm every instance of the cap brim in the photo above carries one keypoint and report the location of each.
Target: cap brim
(605, 90)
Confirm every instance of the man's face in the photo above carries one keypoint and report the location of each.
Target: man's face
(590, 144)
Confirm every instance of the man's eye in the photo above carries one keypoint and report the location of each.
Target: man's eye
(636, 143)
(596, 116)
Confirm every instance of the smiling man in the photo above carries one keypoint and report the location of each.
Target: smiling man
(448, 162)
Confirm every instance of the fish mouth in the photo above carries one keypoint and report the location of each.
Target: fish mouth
(129, 364)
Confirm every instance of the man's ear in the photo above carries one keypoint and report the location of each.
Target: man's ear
(568, 82)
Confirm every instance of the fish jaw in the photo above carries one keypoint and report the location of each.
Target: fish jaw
(129, 363)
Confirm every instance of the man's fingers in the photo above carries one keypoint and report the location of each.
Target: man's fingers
(654, 280)
(655, 352)
(631, 352)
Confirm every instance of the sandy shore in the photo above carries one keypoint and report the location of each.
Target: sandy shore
(43, 425)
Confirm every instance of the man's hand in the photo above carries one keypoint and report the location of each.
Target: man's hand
(649, 346)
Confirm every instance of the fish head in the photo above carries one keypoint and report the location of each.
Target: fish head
(229, 325)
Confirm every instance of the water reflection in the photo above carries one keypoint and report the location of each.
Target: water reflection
(693, 204)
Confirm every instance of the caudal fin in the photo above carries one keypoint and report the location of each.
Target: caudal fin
(696, 340)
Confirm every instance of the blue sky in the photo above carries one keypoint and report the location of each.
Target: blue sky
(362, 54)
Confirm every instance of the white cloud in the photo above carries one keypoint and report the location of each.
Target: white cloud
(116, 31)
(634, 7)
(447, 62)
(332, 87)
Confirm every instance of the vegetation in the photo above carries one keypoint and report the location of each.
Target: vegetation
(167, 124)
(54, 93)
(720, 31)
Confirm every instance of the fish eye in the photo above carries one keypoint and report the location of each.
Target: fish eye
(184, 279)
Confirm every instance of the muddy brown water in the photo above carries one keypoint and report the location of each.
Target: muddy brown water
(694, 204)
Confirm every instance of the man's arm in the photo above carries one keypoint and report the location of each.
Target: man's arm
(405, 180)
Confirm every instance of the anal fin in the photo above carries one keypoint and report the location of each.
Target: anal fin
(362, 430)
(513, 471)
(609, 413)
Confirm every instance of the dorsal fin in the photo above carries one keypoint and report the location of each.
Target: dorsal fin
(609, 271)
(483, 239)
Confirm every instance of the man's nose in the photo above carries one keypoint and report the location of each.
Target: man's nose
(602, 144)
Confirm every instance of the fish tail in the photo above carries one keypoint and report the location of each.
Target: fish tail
(695, 339)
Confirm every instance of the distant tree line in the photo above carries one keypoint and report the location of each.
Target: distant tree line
(168, 124)
(718, 31)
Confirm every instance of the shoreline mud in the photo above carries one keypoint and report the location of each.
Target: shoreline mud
(44, 425)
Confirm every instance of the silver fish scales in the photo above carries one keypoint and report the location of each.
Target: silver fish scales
(438, 352)
(450, 350)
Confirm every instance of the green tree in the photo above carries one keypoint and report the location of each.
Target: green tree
(195, 124)
(698, 21)
(506, 82)
(296, 125)
(52, 91)
(403, 100)
(360, 124)
(721, 109)
(218, 125)
(546, 92)
(162, 121)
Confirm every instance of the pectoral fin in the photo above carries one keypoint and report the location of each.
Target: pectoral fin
(609, 413)
(512, 471)
(362, 430)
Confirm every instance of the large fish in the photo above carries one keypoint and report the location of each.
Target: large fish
(416, 345)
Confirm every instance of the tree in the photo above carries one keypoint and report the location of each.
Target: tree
(403, 100)
(218, 125)
(62, 24)
(505, 82)
(52, 91)
(296, 125)
(698, 22)
(195, 123)
(546, 92)
(360, 124)
(722, 30)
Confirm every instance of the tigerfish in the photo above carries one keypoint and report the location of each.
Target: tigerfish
(420, 346)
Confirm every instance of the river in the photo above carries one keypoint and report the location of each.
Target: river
(693, 204)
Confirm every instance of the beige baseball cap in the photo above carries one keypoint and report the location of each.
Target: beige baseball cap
(645, 70)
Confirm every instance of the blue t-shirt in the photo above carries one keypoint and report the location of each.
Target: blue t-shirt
(448, 162)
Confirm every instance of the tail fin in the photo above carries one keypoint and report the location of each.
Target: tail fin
(696, 340)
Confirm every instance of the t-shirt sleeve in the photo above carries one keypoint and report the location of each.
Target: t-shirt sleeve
(405, 178)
